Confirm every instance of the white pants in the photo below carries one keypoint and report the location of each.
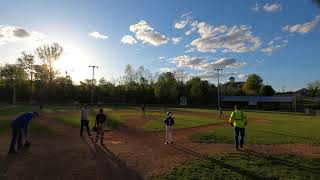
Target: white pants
(169, 134)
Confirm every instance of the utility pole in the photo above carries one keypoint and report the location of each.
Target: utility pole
(31, 76)
(218, 70)
(92, 81)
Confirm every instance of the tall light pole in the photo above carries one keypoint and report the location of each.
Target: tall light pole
(31, 76)
(92, 81)
(218, 70)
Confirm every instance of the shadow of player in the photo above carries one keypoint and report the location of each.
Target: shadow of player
(248, 174)
(284, 162)
(110, 165)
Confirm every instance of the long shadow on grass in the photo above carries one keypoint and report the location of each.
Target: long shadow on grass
(110, 165)
(240, 171)
(283, 162)
(292, 136)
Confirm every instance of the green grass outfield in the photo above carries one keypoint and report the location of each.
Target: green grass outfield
(281, 129)
(248, 165)
(182, 120)
(8, 113)
(34, 127)
(115, 117)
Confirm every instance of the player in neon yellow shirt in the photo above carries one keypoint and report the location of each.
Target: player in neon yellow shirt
(238, 120)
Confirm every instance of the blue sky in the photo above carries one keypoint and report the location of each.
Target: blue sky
(279, 40)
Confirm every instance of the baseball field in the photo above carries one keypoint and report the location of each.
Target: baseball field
(277, 145)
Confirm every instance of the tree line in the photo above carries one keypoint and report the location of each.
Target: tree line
(26, 80)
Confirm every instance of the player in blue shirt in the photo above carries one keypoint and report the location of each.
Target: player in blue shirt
(169, 122)
(19, 126)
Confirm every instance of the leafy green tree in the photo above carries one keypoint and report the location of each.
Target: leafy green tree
(27, 62)
(48, 55)
(313, 88)
(165, 88)
(129, 74)
(266, 90)
(13, 74)
(195, 88)
(252, 85)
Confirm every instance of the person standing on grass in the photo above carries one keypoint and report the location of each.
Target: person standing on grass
(143, 111)
(19, 128)
(169, 122)
(85, 120)
(238, 120)
(101, 118)
(220, 113)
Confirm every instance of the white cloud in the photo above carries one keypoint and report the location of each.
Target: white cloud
(193, 28)
(227, 39)
(181, 24)
(237, 65)
(272, 7)
(204, 68)
(161, 57)
(167, 69)
(14, 33)
(255, 7)
(242, 76)
(184, 21)
(203, 64)
(224, 76)
(188, 61)
(302, 28)
(144, 32)
(128, 39)
(176, 40)
(98, 35)
(274, 45)
(222, 63)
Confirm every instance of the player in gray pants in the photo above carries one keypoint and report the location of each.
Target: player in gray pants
(169, 122)
(100, 120)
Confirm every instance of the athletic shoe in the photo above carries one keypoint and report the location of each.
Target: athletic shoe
(166, 143)
(171, 142)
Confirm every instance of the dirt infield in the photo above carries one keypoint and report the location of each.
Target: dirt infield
(63, 155)
(128, 153)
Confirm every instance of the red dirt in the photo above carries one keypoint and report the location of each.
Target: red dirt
(127, 150)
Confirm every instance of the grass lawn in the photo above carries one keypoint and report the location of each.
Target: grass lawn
(34, 127)
(16, 110)
(282, 129)
(115, 117)
(247, 166)
(182, 120)
(8, 113)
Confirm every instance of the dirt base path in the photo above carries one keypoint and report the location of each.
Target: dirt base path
(63, 155)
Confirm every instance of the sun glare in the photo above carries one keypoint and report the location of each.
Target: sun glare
(75, 61)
